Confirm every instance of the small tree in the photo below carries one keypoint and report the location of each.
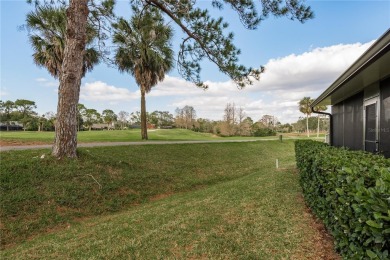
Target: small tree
(304, 107)
(7, 109)
(122, 118)
(81, 112)
(320, 109)
(25, 110)
(91, 117)
(109, 116)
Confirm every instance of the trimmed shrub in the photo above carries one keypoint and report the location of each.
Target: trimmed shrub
(350, 192)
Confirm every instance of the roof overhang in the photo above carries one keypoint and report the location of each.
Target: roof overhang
(372, 66)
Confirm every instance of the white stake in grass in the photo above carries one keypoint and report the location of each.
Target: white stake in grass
(277, 164)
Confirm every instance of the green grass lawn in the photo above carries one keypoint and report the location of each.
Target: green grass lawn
(21, 137)
(109, 136)
(209, 201)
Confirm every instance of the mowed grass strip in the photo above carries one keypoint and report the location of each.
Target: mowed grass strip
(133, 135)
(41, 194)
(107, 136)
(256, 214)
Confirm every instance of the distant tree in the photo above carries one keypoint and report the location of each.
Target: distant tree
(91, 117)
(241, 117)
(304, 107)
(41, 122)
(269, 120)
(81, 113)
(161, 118)
(49, 124)
(205, 125)
(246, 127)
(6, 110)
(123, 117)
(285, 128)
(145, 51)
(165, 118)
(320, 109)
(229, 127)
(189, 116)
(185, 117)
(109, 117)
(179, 119)
(25, 110)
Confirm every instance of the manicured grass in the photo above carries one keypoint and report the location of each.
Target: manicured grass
(118, 136)
(39, 194)
(109, 136)
(199, 201)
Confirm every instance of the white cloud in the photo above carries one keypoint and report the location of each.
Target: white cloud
(311, 70)
(100, 91)
(47, 83)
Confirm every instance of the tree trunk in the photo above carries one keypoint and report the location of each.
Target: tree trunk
(318, 125)
(307, 125)
(144, 129)
(65, 143)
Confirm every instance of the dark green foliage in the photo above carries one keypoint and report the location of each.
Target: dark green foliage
(47, 35)
(264, 132)
(350, 192)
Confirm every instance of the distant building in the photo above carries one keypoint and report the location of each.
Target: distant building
(103, 126)
(13, 126)
(360, 99)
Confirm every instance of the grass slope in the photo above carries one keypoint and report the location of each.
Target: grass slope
(245, 208)
(40, 194)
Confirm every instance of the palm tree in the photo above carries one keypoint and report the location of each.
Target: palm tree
(47, 27)
(319, 108)
(304, 107)
(144, 50)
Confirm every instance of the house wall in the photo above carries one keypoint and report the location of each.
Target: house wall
(348, 119)
(384, 125)
(348, 123)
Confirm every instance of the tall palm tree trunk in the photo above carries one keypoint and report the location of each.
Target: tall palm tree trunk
(65, 143)
(144, 129)
(318, 126)
(307, 125)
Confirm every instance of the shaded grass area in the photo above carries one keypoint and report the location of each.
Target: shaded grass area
(38, 195)
(251, 211)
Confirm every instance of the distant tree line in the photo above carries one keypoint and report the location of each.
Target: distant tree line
(20, 115)
(235, 122)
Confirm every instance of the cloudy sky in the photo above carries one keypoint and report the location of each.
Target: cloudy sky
(300, 60)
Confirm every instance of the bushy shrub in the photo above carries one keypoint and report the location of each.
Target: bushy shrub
(350, 192)
(264, 132)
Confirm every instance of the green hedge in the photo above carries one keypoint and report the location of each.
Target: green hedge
(350, 192)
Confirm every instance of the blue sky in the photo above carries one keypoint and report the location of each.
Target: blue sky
(300, 59)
